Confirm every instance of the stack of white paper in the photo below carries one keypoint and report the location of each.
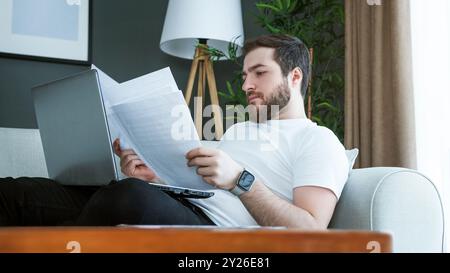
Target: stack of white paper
(150, 116)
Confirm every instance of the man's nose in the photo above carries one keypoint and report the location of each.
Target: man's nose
(248, 86)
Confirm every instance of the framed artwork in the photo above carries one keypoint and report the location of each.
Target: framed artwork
(46, 30)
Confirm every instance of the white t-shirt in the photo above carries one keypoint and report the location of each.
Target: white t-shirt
(284, 155)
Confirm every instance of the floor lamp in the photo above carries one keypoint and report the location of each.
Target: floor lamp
(213, 23)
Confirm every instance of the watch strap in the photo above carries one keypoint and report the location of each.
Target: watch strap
(237, 190)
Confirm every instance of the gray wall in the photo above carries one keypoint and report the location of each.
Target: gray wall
(125, 44)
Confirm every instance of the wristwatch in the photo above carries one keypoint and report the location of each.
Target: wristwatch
(244, 183)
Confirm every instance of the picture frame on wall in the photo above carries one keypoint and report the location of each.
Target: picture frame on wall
(46, 30)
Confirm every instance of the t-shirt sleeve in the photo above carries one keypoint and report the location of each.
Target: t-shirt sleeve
(320, 161)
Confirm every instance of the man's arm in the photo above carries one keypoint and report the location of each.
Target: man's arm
(312, 207)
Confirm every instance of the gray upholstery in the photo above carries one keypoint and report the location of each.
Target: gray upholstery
(21, 153)
(400, 201)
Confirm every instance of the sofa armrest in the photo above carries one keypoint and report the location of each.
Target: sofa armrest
(401, 201)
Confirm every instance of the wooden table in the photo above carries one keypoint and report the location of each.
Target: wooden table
(187, 240)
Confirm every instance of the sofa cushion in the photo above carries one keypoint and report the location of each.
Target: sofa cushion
(21, 153)
(351, 157)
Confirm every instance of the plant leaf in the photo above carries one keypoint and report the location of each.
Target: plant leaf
(267, 6)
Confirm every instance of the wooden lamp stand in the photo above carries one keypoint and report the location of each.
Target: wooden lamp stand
(202, 63)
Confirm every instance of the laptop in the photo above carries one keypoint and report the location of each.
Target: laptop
(75, 136)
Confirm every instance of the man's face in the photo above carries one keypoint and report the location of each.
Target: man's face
(264, 83)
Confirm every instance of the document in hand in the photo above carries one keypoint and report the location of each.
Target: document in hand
(150, 116)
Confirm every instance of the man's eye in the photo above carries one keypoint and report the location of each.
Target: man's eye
(260, 73)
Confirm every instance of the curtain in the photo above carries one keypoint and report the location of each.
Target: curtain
(379, 103)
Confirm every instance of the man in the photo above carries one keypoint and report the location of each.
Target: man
(296, 183)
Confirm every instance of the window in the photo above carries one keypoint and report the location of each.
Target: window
(430, 24)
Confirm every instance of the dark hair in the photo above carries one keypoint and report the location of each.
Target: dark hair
(290, 52)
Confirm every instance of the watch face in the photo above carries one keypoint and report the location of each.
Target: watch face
(246, 180)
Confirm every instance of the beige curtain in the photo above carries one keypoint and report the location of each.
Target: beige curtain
(379, 110)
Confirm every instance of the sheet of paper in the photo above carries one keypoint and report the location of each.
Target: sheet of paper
(106, 81)
(108, 88)
(148, 84)
(161, 131)
(115, 93)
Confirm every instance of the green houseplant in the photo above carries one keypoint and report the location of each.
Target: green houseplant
(320, 24)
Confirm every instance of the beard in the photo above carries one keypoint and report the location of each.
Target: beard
(271, 105)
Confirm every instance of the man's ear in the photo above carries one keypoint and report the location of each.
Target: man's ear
(297, 76)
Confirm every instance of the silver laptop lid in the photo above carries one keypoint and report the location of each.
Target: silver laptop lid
(71, 118)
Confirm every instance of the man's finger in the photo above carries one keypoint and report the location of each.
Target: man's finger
(209, 180)
(206, 171)
(126, 159)
(201, 151)
(131, 166)
(116, 146)
(201, 161)
(127, 152)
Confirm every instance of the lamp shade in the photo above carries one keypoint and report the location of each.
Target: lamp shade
(218, 21)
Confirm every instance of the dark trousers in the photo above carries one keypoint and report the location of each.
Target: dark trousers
(43, 202)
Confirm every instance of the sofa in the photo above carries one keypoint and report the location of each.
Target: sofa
(400, 201)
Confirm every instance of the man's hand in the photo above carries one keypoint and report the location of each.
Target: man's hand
(131, 165)
(215, 166)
